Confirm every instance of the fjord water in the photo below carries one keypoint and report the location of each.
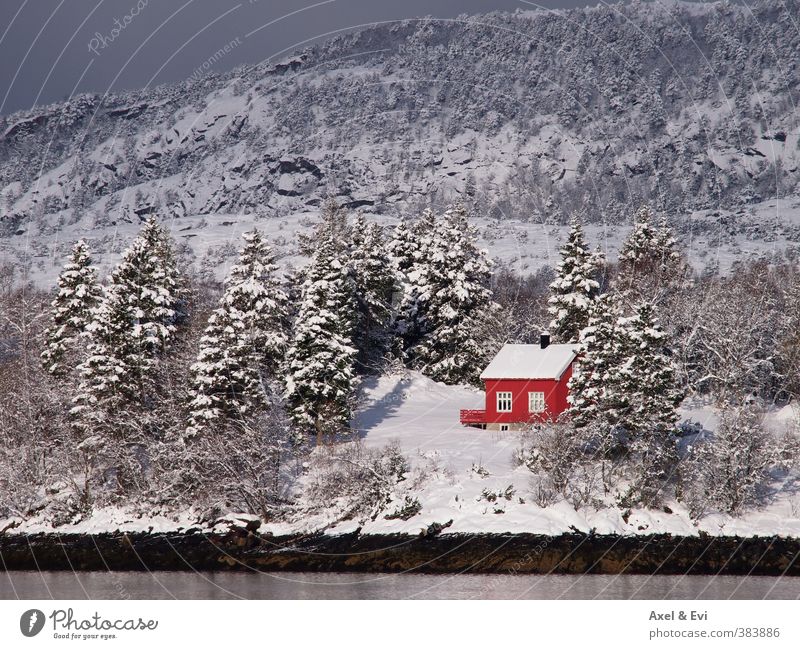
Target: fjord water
(298, 585)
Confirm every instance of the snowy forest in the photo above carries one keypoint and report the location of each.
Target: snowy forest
(158, 390)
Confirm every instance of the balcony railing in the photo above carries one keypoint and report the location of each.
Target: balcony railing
(473, 417)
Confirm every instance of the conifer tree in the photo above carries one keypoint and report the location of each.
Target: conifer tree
(320, 378)
(456, 297)
(412, 250)
(594, 394)
(332, 223)
(574, 288)
(131, 328)
(374, 283)
(647, 375)
(78, 294)
(649, 260)
(624, 388)
(244, 343)
(402, 249)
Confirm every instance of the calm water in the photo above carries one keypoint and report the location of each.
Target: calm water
(188, 585)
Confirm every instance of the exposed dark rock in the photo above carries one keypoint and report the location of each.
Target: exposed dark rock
(244, 549)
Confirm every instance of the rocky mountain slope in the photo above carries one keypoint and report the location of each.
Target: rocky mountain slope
(529, 115)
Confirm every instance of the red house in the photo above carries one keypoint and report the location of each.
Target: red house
(524, 384)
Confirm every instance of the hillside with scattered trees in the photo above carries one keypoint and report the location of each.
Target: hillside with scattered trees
(534, 115)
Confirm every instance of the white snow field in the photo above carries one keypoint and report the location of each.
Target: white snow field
(423, 416)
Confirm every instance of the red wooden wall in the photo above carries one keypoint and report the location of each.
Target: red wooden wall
(555, 397)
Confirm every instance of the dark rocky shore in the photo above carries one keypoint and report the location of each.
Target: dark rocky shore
(437, 553)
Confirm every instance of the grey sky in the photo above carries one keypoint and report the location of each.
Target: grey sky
(52, 48)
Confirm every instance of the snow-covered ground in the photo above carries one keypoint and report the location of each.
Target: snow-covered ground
(423, 416)
(462, 465)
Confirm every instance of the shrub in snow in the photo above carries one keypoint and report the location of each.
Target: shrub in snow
(250, 466)
(730, 470)
(406, 509)
(353, 482)
(562, 463)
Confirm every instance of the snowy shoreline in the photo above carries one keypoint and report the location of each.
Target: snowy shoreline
(243, 550)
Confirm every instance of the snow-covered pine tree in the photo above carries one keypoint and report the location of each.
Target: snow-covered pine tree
(594, 386)
(320, 380)
(412, 250)
(402, 248)
(649, 373)
(244, 343)
(625, 389)
(78, 294)
(375, 285)
(575, 287)
(647, 376)
(133, 325)
(649, 260)
(456, 297)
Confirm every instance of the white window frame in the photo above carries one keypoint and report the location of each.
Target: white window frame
(505, 399)
(539, 401)
(504, 428)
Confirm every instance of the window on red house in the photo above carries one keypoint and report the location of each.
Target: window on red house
(503, 402)
(536, 402)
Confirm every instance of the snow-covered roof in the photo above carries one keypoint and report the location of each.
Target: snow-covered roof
(530, 362)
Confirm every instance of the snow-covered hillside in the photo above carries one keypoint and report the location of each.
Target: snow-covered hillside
(712, 238)
(470, 479)
(527, 116)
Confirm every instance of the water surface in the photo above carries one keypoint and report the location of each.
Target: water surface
(299, 585)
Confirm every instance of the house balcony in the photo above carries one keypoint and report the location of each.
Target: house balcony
(473, 417)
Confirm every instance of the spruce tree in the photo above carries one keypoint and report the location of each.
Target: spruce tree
(624, 391)
(594, 386)
(131, 328)
(332, 223)
(374, 283)
(456, 297)
(412, 250)
(402, 249)
(320, 378)
(78, 294)
(244, 343)
(648, 373)
(650, 263)
(647, 376)
(575, 287)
